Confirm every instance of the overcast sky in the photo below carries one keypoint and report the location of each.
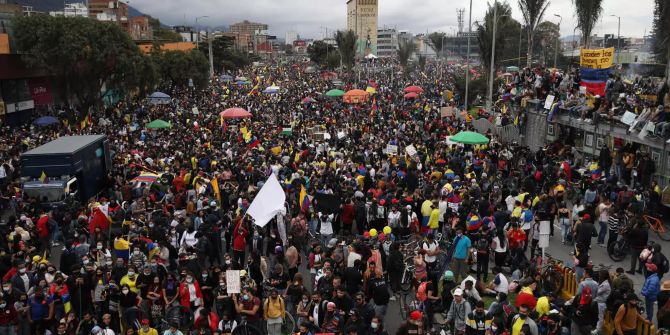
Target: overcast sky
(310, 18)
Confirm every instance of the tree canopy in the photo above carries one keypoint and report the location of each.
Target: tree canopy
(226, 56)
(436, 41)
(532, 11)
(83, 55)
(346, 45)
(662, 34)
(485, 33)
(588, 13)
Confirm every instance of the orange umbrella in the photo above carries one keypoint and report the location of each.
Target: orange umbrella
(356, 97)
(413, 89)
(411, 95)
(235, 113)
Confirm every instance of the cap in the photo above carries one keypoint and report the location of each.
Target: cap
(145, 322)
(458, 292)
(243, 273)
(415, 315)
(96, 329)
(448, 275)
(331, 305)
(587, 217)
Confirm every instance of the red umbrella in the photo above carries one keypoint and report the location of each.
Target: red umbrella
(235, 113)
(413, 89)
(308, 100)
(411, 95)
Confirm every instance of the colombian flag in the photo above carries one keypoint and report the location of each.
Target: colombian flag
(304, 199)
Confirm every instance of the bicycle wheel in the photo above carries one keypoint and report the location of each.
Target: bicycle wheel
(406, 281)
(288, 326)
(616, 251)
(246, 329)
(663, 230)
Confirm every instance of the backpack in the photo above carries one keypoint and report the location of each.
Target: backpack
(664, 265)
(421, 293)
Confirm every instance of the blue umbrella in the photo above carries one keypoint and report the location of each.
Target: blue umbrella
(159, 95)
(45, 121)
(226, 78)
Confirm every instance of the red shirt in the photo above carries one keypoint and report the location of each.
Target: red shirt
(348, 214)
(42, 226)
(239, 237)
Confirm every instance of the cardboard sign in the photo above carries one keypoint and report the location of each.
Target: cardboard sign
(233, 281)
(549, 102)
(194, 110)
(447, 111)
(628, 118)
(582, 89)
(597, 58)
(410, 150)
(391, 149)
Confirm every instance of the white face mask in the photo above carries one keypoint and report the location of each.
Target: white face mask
(189, 279)
(374, 325)
(131, 273)
(125, 291)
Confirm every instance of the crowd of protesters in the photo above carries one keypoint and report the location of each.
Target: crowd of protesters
(334, 261)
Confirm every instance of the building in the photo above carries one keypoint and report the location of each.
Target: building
(109, 11)
(72, 10)
(387, 42)
(147, 46)
(291, 36)
(456, 47)
(187, 34)
(362, 18)
(248, 28)
(139, 28)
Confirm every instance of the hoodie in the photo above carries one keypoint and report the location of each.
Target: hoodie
(652, 285)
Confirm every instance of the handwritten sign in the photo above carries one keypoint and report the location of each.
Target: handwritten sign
(391, 149)
(447, 111)
(549, 102)
(628, 118)
(410, 150)
(233, 281)
(596, 58)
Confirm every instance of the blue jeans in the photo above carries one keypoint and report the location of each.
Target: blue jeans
(602, 233)
(649, 308)
(579, 273)
(565, 228)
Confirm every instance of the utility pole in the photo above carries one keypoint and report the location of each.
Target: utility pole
(211, 55)
(489, 101)
(559, 37)
(467, 65)
(518, 63)
(618, 40)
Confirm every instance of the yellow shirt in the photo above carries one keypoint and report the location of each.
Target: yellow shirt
(434, 220)
(151, 331)
(425, 208)
(516, 327)
(542, 306)
(132, 283)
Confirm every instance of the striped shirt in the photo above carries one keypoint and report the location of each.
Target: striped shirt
(613, 223)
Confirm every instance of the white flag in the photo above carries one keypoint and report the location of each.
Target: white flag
(268, 202)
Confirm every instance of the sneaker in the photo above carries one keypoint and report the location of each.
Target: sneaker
(630, 272)
(392, 298)
(55, 244)
(602, 245)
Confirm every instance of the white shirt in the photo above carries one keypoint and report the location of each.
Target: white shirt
(510, 203)
(429, 247)
(442, 206)
(503, 286)
(327, 225)
(394, 219)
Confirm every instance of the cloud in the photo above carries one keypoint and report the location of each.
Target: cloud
(311, 18)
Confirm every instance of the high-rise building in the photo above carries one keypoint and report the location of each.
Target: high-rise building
(387, 42)
(291, 36)
(249, 28)
(109, 10)
(362, 20)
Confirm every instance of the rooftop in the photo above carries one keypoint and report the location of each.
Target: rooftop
(65, 144)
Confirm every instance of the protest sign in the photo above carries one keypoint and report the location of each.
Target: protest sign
(549, 102)
(596, 58)
(233, 281)
(447, 111)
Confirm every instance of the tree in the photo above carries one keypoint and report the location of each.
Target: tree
(532, 11)
(477, 87)
(662, 34)
(436, 41)
(319, 50)
(177, 67)
(485, 33)
(161, 33)
(588, 12)
(82, 55)
(226, 57)
(546, 36)
(405, 50)
(346, 44)
(515, 41)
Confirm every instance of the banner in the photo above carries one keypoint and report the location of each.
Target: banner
(594, 74)
(596, 58)
(594, 87)
(40, 91)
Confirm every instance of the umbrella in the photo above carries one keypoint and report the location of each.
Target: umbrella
(371, 90)
(308, 100)
(414, 89)
(158, 124)
(370, 56)
(356, 96)
(335, 93)
(271, 90)
(411, 95)
(226, 77)
(235, 113)
(45, 121)
(241, 79)
(469, 137)
(159, 95)
(512, 69)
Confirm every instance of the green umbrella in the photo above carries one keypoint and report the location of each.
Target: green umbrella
(469, 137)
(335, 93)
(158, 124)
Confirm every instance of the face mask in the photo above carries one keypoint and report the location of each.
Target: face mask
(374, 325)
(222, 283)
(305, 300)
(189, 279)
(228, 262)
(3, 305)
(145, 328)
(151, 225)
(204, 275)
(6, 288)
(86, 261)
(131, 273)
(125, 291)
(523, 316)
(22, 270)
(99, 246)
(245, 297)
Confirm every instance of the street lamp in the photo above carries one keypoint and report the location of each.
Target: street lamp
(559, 37)
(489, 101)
(467, 69)
(618, 39)
(197, 44)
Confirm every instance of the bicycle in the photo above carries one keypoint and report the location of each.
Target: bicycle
(246, 329)
(172, 316)
(407, 275)
(618, 250)
(288, 325)
(658, 226)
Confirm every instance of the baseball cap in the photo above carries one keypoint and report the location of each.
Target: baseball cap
(96, 330)
(458, 292)
(415, 315)
(145, 322)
